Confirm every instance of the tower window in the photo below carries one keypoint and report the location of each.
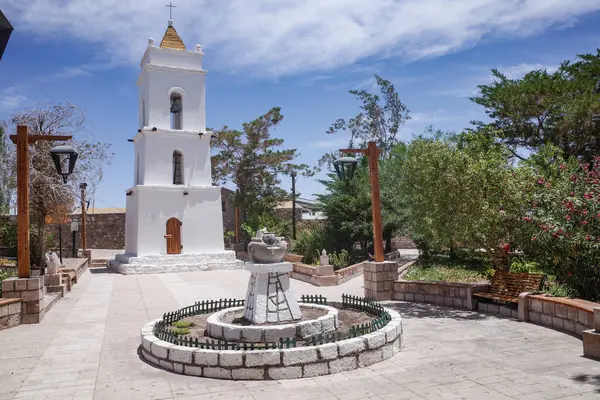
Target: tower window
(176, 111)
(177, 168)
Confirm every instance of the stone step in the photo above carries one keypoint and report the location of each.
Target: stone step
(99, 263)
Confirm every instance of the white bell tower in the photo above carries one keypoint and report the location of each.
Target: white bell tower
(174, 219)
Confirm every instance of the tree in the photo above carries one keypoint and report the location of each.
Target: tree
(48, 196)
(7, 177)
(460, 191)
(250, 160)
(562, 223)
(380, 119)
(348, 204)
(560, 108)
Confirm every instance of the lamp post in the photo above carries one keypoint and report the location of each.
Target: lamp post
(5, 31)
(64, 158)
(22, 139)
(293, 174)
(345, 168)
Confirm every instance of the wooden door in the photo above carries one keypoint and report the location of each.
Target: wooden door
(173, 236)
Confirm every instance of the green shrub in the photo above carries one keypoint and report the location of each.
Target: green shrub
(530, 267)
(310, 243)
(559, 290)
(561, 229)
(340, 260)
(8, 236)
(180, 331)
(183, 324)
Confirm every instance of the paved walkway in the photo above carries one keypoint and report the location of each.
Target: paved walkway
(86, 349)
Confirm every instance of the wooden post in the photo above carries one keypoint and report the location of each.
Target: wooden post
(23, 261)
(293, 205)
(237, 224)
(22, 140)
(373, 156)
(83, 217)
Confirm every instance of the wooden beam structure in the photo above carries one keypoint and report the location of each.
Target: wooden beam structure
(23, 140)
(372, 154)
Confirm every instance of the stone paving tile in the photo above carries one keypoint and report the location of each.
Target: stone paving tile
(86, 348)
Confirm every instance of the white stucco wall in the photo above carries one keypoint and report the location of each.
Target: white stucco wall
(156, 149)
(199, 211)
(166, 70)
(131, 225)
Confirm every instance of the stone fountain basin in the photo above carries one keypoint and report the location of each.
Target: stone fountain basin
(299, 362)
(217, 328)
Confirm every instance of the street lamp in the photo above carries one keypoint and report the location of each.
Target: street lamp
(64, 159)
(345, 167)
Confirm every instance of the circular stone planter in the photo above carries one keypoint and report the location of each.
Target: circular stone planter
(217, 329)
(286, 363)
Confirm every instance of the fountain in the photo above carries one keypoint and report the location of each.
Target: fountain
(269, 298)
(270, 335)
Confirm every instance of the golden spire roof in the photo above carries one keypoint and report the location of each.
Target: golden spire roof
(172, 40)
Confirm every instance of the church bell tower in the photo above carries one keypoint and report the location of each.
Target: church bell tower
(174, 219)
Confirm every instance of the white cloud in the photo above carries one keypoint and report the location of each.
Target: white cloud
(518, 71)
(333, 143)
(12, 99)
(283, 37)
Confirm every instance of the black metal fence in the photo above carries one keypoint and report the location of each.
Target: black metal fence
(163, 331)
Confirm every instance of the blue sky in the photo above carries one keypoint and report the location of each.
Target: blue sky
(302, 56)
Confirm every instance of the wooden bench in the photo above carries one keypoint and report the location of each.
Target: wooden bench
(507, 286)
(69, 276)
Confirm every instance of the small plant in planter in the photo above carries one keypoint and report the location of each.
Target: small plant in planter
(183, 324)
(180, 331)
(340, 260)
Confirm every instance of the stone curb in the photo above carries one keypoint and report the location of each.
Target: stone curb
(298, 362)
(230, 332)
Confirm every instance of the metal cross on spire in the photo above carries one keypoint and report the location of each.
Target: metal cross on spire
(171, 7)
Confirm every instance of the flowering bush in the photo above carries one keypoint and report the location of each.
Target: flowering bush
(563, 225)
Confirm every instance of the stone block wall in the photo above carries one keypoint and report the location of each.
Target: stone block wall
(379, 279)
(10, 313)
(458, 295)
(499, 309)
(228, 209)
(345, 274)
(107, 231)
(402, 242)
(311, 274)
(568, 315)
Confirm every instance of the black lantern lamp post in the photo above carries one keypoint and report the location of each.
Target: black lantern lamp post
(5, 31)
(64, 158)
(345, 167)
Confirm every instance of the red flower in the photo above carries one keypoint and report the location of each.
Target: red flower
(570, 274)
(529, 219)
(540, 181)
(588, 237)
(555, 234)
(506, 247)
(533, 238)
(562, 166)
(568, 217)
(584, 222)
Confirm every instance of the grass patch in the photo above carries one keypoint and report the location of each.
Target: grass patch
(180, 331)
(183, 324)
(442, 269)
